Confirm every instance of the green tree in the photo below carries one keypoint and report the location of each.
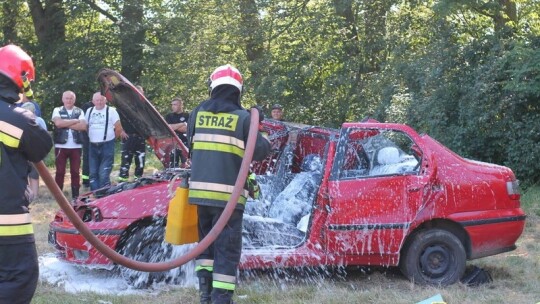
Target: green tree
(10, 14)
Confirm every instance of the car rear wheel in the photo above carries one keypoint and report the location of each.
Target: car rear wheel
(147, 244)
(433, 257)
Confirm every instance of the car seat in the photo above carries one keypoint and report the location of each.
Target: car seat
(296, 200)
(386, 158)
(311, 163)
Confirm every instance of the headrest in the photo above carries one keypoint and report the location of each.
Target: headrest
(388, 156)
(311, 163)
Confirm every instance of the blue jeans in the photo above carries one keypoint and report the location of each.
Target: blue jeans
(101, 158)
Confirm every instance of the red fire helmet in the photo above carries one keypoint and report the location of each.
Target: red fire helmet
(16, 64)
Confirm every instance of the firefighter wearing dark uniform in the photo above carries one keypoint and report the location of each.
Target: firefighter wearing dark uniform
(133, 147)
(217, 133)
(21, 140)
(176, 120)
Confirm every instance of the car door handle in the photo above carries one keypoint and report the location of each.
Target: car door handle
(414, 189)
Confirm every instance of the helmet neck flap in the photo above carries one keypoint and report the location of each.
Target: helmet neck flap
(9, 92)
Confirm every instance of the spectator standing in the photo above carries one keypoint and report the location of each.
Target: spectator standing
(177, 120)
(68, 121)
(103, 127)
(33, 176)
(21, 141)
(133, 146)
(40, 121)
(277, 112)
(218, 131)
(85, 176)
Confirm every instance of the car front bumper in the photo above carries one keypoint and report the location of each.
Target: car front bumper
(72, 247)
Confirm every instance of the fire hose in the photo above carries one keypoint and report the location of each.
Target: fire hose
(181, 260)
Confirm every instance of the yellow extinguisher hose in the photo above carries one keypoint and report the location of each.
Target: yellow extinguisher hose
(181, 260)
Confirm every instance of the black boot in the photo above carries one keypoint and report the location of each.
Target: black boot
(222, 296)
(74, 192)
(205, 286)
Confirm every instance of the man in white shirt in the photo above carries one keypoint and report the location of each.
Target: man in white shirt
(68, 122)
(103, 127)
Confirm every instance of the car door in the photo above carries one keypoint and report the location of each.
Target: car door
(374, 191)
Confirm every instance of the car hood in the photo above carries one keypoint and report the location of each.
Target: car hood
(142, 202)
(140, 113)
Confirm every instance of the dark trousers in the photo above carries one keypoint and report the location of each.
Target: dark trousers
(19, 273)
(133, 147)
(176, 159)
(226, 249)
(62, 156)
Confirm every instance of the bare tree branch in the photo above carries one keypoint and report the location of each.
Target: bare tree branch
(105, 13)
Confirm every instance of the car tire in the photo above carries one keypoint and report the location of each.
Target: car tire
(433, 257)
(147, 244)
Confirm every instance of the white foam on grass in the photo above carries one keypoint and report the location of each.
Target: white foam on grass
(76, 279)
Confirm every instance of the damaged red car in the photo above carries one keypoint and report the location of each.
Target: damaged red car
(368, 193)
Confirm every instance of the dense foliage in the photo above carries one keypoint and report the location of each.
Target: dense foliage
(465, 71)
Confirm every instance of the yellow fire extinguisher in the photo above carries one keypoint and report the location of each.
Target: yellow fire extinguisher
(182, 220)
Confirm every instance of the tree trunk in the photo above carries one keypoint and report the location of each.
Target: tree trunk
(253, 42)
(132, 33)
(50, 27)
(506, 14)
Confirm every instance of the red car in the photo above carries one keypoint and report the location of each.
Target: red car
(367, 194)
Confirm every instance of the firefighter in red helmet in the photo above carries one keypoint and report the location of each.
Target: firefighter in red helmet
(217, 134)
(21, 141)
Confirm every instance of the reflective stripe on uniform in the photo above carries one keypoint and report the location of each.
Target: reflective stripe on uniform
(204, 264)
(224, 139)
(214, 187)
(16, 230)
(207, 268)
(218, 196)
(14, 219)
(223, 281)
(10, 135)
(210, 146)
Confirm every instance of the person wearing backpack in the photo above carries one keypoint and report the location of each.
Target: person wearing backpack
(68, 121)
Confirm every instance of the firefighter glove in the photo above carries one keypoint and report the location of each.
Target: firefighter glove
(253, 187)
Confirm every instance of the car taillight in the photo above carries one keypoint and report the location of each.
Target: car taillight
(512, 187)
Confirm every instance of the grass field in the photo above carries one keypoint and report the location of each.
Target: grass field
(516, 276)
